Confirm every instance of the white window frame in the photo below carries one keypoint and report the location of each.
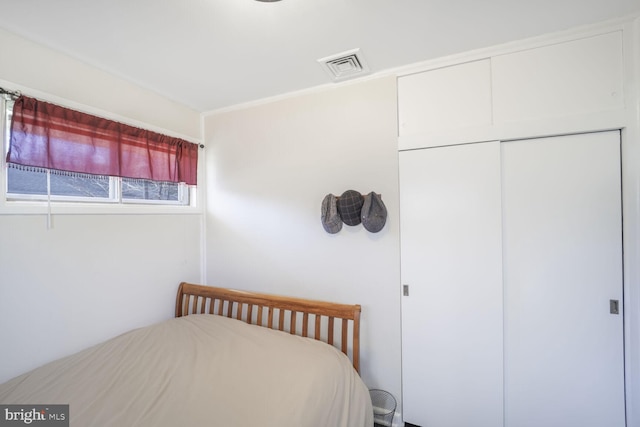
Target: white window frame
(115, 204)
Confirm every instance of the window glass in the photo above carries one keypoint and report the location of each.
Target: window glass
(139, 189)
(34, 182)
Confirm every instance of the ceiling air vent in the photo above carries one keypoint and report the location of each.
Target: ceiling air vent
(345, 65)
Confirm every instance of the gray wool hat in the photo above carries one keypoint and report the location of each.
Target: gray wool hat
(374, 212)
(350, 207)
(331, 221)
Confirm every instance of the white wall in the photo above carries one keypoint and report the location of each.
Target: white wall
(44, 73)
(87, 279)
(91, 276)
(270, 167)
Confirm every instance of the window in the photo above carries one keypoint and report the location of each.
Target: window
(36, 183)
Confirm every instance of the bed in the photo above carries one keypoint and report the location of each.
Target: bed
(228, 358)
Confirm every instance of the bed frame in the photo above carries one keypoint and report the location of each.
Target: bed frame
(307, 318)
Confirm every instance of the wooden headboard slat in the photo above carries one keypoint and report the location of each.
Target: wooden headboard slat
(292, 323)
(280, 319)
(229, 305)
(259, 319)
(305, 324)
(330, 331)
(270, 321)
(250, 313)
(345, 332)
(223, 301)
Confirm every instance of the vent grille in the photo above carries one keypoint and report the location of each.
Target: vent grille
(345, 65)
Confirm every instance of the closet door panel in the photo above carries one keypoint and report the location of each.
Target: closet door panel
(447, 98)
(562, 229)
(560, 80)
(451, 261)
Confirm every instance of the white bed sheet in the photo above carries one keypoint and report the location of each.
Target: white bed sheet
(201, 370)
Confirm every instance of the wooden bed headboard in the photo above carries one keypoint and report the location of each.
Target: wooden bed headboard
(307, 318)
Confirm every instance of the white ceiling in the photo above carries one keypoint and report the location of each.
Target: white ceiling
(210, 54)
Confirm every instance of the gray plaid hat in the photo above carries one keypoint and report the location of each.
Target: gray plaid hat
(374, 212)
(330, 219)
(350, 207)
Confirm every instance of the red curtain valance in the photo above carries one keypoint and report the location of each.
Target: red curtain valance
(49, 136)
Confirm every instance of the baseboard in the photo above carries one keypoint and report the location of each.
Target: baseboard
(397, 420)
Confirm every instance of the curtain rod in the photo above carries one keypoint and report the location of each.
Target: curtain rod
(12, 93)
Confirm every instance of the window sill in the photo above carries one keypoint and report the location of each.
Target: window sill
(65, 208)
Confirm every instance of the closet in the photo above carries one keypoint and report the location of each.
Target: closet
(511, 258)
(511, 239)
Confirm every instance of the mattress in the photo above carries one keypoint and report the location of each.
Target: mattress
(201, 370)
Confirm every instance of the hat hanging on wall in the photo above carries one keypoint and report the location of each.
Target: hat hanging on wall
(331, 221)
(374, 212)
(350, 207)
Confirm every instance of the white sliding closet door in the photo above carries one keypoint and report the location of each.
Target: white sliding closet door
(562, 231)
(452, 264)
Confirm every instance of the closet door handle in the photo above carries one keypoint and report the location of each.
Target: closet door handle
(614, 306)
